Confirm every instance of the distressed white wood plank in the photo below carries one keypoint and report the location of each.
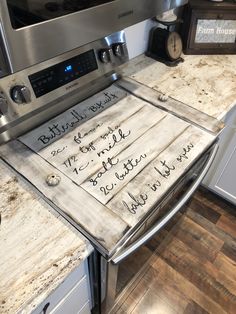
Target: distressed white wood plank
(144, 191)
(47, 133)
(101, 125)
(182, 110)
(86, 211)
(82, 165)
(37, 249)
(118, 171)
(114, 122)
(112, 131)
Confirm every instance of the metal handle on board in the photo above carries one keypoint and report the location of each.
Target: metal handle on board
(161, 223)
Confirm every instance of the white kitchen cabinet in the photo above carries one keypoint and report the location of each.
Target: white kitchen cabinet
(224, 180)
(72, 296)
(85, 309)
(222, 175)
(75, 299)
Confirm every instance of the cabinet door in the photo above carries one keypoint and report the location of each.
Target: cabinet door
(75, 300)
(226, 182)
(85, 309)
(64, 290)
(222, 178)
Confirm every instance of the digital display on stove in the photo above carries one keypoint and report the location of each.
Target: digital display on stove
(68, 68)
(63, 73)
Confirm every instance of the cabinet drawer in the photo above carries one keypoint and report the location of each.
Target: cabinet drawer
(62, 290)
(75, 299)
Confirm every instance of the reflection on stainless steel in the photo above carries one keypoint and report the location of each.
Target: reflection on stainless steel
(35, 43)
(24, 13)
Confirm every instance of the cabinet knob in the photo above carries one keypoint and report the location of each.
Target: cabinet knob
(163, 97)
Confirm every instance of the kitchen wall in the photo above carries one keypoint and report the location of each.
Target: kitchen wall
(137, 37)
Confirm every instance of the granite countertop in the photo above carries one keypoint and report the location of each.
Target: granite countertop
(37, 248)
(205, 82)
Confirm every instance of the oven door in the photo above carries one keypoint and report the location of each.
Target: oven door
(130, 261)
(41, 30)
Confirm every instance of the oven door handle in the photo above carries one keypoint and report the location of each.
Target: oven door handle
(161, 223)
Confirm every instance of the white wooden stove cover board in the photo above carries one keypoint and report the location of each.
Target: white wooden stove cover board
(109, 164)
(173, 106)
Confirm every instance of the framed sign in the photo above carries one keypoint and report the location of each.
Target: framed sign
(209, 28)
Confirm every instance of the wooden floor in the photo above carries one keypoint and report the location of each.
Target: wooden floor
(193, 270)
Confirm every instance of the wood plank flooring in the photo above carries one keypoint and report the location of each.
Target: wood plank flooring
(193, 270)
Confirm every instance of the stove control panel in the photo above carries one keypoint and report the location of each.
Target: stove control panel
(63, 73)
(35, 94)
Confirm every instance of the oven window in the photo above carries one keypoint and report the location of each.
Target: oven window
(29, 12)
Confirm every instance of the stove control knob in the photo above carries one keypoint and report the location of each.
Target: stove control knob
(3, 106)
(119, 49)
(105, 55)
(20, 94)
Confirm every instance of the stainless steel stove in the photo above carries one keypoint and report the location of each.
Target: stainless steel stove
(71, 73)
